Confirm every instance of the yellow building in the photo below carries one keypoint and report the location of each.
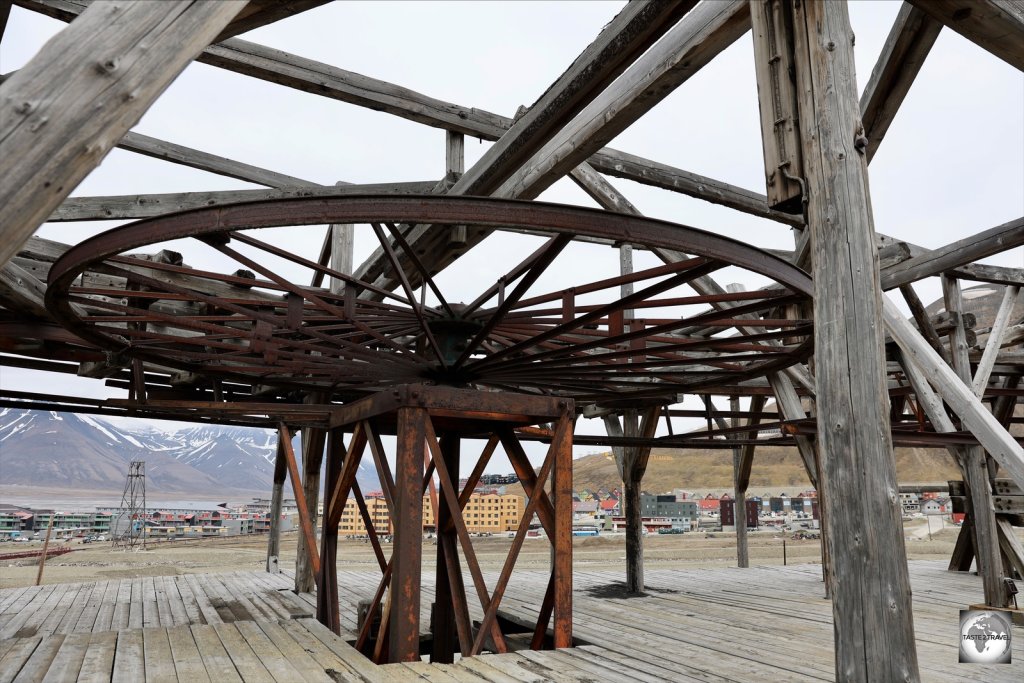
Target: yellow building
(351, 523)
(484, 513)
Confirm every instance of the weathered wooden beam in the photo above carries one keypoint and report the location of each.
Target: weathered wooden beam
(997, 275)
(959, 253)
(5, 13)
(773, 63)
(118, 207)
(204, 161)
(871, 584)
(22, 290)
(307, 552)
(276, 503)
(975, 417)
(903, 54)
(701, 35)
(314, 77)
(621, 41)
(313, 442)
(263, 12)
(82, 92)
(988, 359)
(663, 176)
(924, 323)
(975, 468)
(743, 460)
(995, 25)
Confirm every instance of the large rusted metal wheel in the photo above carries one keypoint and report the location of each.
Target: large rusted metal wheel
(589, 342)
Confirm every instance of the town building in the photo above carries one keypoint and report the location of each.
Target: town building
(680, 513)
(483, 513)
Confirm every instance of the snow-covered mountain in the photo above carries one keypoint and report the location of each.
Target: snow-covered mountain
(66, 450)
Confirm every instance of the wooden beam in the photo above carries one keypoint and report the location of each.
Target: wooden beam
(924, 323)
(83, 91)
(130, 207)
(403, 629)
(621, 41)
(22, 290)
(5, 13)
(995, 25)
(629, 34)
(986, 243)
(204, 161)
(871, 584)
(909, 42)
(1011, 296)
(313, 442)
(780, 139)
(975, 469)
(997, 275)
(975, 417)
(276, 501)
(263, 12)
(307, 522)
(702, 34)
(663, 176)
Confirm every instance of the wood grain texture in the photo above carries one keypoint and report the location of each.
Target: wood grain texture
(865, 539)
(110, 64)
(995, 25)
(903, 54)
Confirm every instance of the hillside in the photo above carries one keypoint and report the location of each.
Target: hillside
(773, 466)
(70, 451)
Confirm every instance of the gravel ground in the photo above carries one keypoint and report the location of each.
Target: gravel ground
(100, 562)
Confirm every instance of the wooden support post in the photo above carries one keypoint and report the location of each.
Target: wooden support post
(974, 416)
(561, 489)
(404, 597)
(342, 248)
(307, 552)
(975, 467)
(742, 459)
(962, 557)
(328, 611)
(114, 61)
(442, 623)
(871, 583)
(632, 464)
(312, 460)
(276, 501)
(46, 547)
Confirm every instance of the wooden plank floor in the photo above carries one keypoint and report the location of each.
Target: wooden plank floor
(763, 623)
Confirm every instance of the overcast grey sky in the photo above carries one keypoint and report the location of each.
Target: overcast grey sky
(951, 164)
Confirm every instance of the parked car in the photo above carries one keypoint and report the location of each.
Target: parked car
(670, 531)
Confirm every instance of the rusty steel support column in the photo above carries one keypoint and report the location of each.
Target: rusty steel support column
(328, 611)
(310, 556)
(561, 489)
(403, 632)
(442, 623)
(312, 461)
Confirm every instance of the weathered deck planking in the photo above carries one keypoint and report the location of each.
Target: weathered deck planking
(728, 624)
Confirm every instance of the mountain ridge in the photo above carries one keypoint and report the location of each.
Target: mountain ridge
(77, 451)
